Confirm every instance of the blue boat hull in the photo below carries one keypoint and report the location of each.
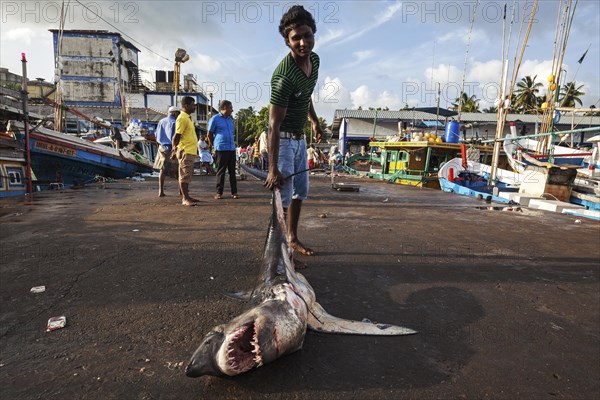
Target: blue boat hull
(71, 165)
(474, 190)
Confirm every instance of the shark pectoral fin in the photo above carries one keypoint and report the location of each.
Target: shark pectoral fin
(243, 295)
(319, 320)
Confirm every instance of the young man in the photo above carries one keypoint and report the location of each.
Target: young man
(263, 145)
(221, 136)
(185, 148)
(292, 84)
(165, 131)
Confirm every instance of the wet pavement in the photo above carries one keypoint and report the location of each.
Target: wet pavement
(507, 303)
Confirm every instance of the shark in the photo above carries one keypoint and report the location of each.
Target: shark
(279, 311)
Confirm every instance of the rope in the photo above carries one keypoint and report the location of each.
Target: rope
(466, 58)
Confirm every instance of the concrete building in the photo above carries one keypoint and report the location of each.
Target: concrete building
(36, 88)
(9, 80)
(95, 68)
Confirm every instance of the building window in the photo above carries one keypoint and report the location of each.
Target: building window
(14, 177)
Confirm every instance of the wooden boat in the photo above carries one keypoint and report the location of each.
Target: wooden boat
(61, 158)
(417, 163)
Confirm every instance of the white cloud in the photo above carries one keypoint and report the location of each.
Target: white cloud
(443, 74)
(363, 97)
(331, 96)
(330, 36)
(22, 35)
(357, 32)
(534, 67)
(205, 63)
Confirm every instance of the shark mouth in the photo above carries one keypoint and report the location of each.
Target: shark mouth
(243, 350)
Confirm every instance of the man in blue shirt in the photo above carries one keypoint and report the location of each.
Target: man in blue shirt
(221, 137)
(164, 135)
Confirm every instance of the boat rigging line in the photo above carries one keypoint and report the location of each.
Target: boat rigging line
(466, 59)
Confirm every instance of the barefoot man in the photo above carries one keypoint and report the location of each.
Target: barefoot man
(185, 148)
(292, 84)
(164, 137)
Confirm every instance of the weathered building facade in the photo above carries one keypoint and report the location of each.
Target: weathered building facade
(95, 67)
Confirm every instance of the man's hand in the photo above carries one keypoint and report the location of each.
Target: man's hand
(173, 153)
(274, 179)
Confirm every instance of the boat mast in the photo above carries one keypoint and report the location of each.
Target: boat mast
(504, 107)
(499, 115)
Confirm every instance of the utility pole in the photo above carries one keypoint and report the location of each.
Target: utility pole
(26, 122)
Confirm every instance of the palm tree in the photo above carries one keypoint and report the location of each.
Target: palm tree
(570, 95)
(526, 100)
(491, 110)
(464, 103)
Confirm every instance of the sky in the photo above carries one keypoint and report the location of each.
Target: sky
(373, 53)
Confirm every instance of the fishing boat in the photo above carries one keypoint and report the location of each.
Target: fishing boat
(416, 163)
(523, 151)
(57, 157)
(470, 178)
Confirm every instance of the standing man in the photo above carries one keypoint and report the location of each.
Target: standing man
(292, 84)
(185, 148)
(165, 131)
(263, 144)
(221, 136)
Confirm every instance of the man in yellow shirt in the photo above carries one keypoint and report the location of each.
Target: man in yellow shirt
(185, 148)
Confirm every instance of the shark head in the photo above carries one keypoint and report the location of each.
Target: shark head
(281, 307)
(260, 335)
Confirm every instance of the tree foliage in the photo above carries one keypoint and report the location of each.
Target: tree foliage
(249, 124)
(570, 95)
(466, 103)
(526, 100)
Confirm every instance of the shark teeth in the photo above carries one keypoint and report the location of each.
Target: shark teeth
(257, 358)
(243, 350)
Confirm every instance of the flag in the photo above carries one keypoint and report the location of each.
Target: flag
(582, 57)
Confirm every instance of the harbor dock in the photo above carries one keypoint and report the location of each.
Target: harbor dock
(506, 300)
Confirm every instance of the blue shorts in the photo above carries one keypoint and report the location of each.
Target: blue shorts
(292, 159)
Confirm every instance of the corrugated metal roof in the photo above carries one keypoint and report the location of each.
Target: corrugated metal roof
(483, 118)
(371, 114)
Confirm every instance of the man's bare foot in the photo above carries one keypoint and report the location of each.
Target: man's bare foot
(188, 203)
(299, 247)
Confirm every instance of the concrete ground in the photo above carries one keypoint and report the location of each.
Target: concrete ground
(507, 303)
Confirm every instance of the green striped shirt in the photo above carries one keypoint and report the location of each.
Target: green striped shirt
(291, 88)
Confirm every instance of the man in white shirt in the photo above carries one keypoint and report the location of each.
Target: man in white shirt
(263, 148)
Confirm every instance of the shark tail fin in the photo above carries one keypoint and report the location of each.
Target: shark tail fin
(320, 320)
